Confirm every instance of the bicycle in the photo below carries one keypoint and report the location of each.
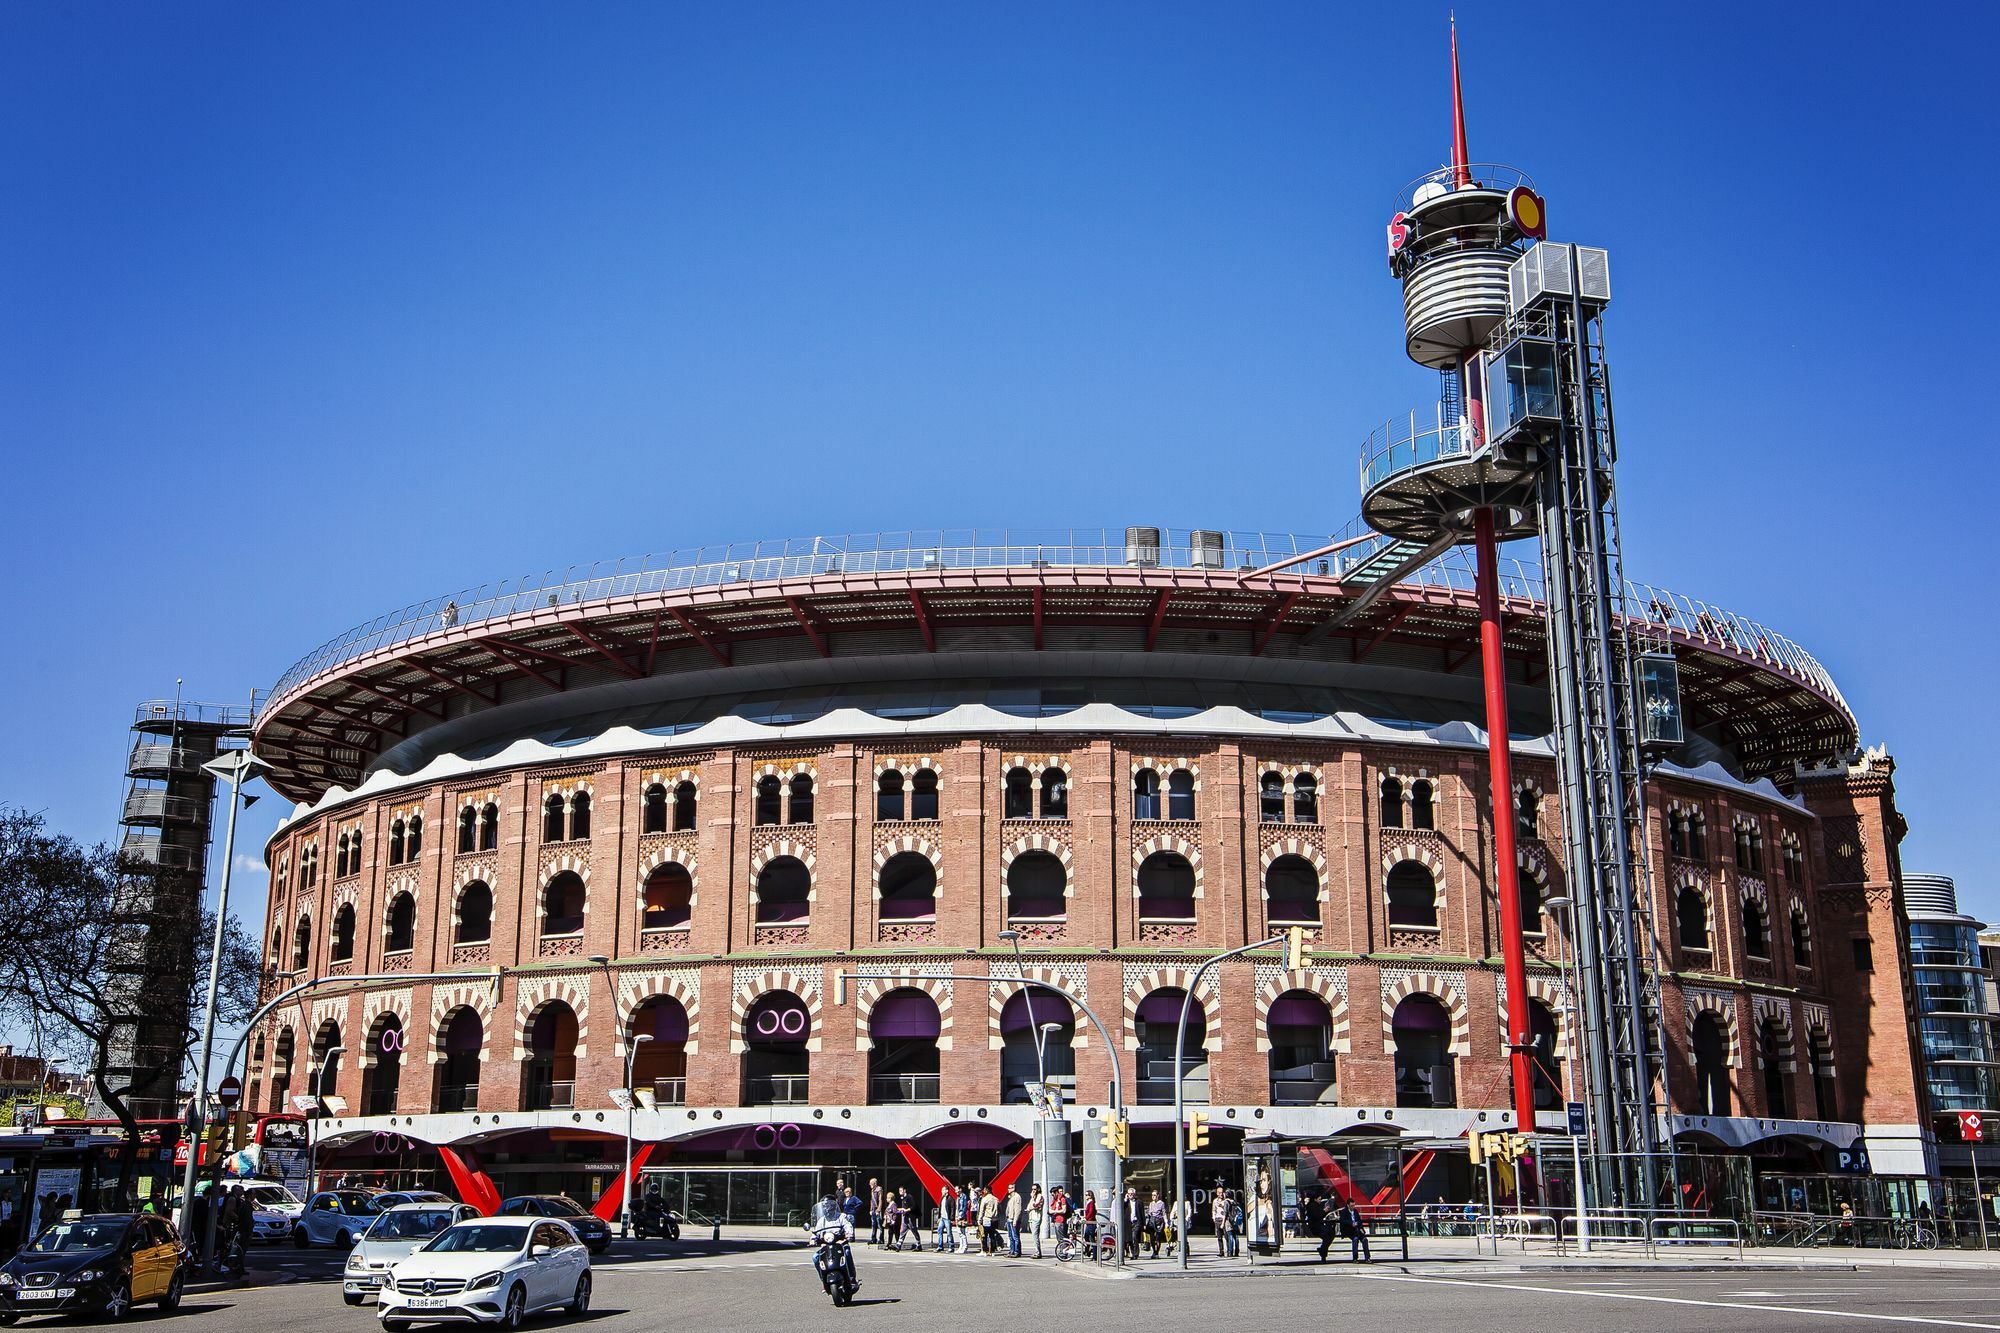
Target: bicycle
(1915, 1236)
(1072, 1243)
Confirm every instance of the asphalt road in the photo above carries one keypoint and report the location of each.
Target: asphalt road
(758, 1286)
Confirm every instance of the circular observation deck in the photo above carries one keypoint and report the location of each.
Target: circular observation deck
(1454, 262)
(911, 607)
(1423, 475)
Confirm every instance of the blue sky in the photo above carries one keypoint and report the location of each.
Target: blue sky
(309, 311)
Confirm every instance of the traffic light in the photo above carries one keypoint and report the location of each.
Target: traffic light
(1298, 954)
(1197, 1131)
(1475, 1147)
(1117, 1136)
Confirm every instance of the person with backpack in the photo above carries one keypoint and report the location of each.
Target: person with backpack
(1036, 1210)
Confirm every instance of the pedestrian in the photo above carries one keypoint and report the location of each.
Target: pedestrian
(989, 1223)
(1016, 1205)
(1090, 1222)
(850, 1208)
(1058, 1213)
(1235, 1221)
(875, 1210)
(1218, 1213)
(1134, 1217)
(1319, 1223)
(907, 1224)
(946, 1206)
(1156, 1224)
(1356, 1228)
(1036, 1211)
(968, 1218)
(197, 1226)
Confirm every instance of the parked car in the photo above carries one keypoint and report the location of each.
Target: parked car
(393, 1236)
(591, 1229)
(494, 1270)
(102, 1263)
(336, 1217)
(395, 1198)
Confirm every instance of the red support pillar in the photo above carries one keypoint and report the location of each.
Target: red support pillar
(1493, 667)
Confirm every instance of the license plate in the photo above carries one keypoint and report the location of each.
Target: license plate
(429, 1302)
(48, 1294)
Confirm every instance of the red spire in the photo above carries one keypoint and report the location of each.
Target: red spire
(1461, 164)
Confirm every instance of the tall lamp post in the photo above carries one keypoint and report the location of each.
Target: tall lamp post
(236, 767)
(1575, 1140)
(1013, 937)
(631, 1099)
(318, 1088)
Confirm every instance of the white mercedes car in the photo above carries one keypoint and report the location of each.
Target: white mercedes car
(391, 1238)
(492, 1270)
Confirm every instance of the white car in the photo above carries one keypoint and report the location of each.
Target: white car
(393, 1237)
(336, 1217)
(494, 1270)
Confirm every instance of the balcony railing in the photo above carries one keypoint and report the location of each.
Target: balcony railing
(1420, 1086)
(458, 1097)
(670, 1091)
(153, 757)
(777, 1089)
(1305, 1085)
(1156, 1081)
(903, 1089)
(1424, 436)
(155, 807)
(562, 925)
(556, 1096)
(151, 851)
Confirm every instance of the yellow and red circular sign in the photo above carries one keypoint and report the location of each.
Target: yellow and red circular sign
(1527, 212)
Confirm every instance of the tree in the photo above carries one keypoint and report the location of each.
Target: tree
(106, 949)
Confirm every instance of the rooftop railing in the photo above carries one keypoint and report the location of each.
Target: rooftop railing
(982, 549)
(1426, 435)
(1485, 176)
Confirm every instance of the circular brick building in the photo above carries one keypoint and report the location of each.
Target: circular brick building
(648, 812)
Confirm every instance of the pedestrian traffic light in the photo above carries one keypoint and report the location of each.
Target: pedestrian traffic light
(1298, 954)
(1197, 1131)
(1117, 1136)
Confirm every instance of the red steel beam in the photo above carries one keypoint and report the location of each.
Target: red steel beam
(1276, 622)
(452, 681)
(618, 664)
(695, 632)
(1160, 614)
(409, 702)
(923, 620)
(1394, 620)
(805, 623)
(493, 646)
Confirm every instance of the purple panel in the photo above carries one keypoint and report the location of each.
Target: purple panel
(464, 1034)
(670, 1021)
(1295, 1009)
(768, 911)
(777, 1019)
(811, 1135)
(904, 1013)
(1049, 1007)
(1164, 1006)
(972, 1138)
(908, 909)
(1420, 1013)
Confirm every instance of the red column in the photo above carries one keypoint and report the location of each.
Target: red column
(1493, 667)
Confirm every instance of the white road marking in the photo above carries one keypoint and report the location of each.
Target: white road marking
(1677, 1300)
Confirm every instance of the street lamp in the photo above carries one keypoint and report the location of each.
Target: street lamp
(236, 767)
(317, 1083)
(1550, 904)
(631, 1099)
(1013, 937)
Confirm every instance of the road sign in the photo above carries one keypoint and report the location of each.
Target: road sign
(231, 1091)
(1577, 1124)
(1971, 1126)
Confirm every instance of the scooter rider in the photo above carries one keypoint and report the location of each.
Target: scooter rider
(827, 1216)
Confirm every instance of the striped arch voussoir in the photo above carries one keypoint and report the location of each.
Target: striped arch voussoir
(537, 994)
(1723, 1007)
(1298, 847)
(1167, 843)
(908, 842)
(1173, 978)
(1322, 986)
(873, 989)
(1441, 989)
(379, 1004)
(782, 847)
(755, 988)
(1766, 1007)
(636, 988)
(1003, 989)
(570, 861)
(1421, 852)
(448, 999)
(1550, 994)
(664, 856)
(1041, 842)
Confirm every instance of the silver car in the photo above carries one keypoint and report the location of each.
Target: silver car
(394, 1236)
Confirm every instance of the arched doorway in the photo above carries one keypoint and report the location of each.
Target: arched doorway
(776, 1064)
(1300, 1027)
(327, 1049)
(1711, 1065)
(1426, 1069)
(903, 1032)
(284, 1052)
(1157, 1019)
(659, 1067)
(382, 1066)
(1548, 1071)
(549, 1076)
(1029, 1011)
(458, 1076)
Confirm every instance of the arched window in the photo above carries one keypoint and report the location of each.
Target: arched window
(1271, 799)
(549, 1075)
(1819, 1054)
(1035, 883)
(1412, 893)
(1166, 888)
(1037, 1032)
(475, 914)
(285, 1053)
(562, 905)
(552, 818)
(1542, 1056)
(801, 811)
(909, 888)
(1677, 838)
(1291, 892)
(1426, 1068)
(1392, 803)
(1305, 799)
(396, 842)
(776, 1063)
(1529, 890)
(382, 1068)
(1711, 1065)
(1145, 794)
(302, 937)
(661, 1064)
(1743, 848)
(468, 830)
(579, 816)
(1691, 913)
(653, 816)
(684, 807)
(1771, 1054)
(669, 897)
(1801, 937)
(903, 1030)
(1697, 835)
(489, 827)
(1422, 809)
(400, 925)
(342, 947)
(1180, 794)
(782, 889)
(1528, 813)
(340, 857)
(770, 796)
(415, 844)
(1301, 1059)
(889, 796)
(924, 795)
(1019, 799)
(1756, 930)
(326, 1052)
(1155, 1024)
(458, 1081)
(1055, 794)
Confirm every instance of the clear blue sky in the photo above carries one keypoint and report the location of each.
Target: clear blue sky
(309, 310)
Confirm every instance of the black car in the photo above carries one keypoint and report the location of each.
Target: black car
(101, 1263)
(591, 1229)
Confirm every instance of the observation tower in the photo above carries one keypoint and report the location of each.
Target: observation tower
(1520, 444)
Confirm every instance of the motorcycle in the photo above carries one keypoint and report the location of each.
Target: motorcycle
(662, 1222)
(834, 1263)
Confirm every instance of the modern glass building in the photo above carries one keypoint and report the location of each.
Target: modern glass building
(1955, 1017)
